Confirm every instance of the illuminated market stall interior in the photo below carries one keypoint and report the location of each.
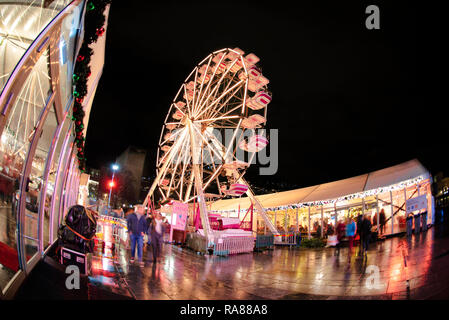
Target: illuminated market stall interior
(308, 208)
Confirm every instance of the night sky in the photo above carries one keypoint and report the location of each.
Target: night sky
(344, 97)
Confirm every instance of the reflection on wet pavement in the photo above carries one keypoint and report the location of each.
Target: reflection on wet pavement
(417, 268)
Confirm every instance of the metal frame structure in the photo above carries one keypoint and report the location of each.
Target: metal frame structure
(191, 159)
(59, 151)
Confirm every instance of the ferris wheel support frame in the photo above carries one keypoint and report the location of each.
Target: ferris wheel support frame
(199, 188)
(159, 175)
(261, 210)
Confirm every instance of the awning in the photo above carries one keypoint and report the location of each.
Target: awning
(331, 190)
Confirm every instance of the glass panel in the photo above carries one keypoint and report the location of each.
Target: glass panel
(67, 189)
(51, 180)
(14, 146)
(20, 23)
(328, 216)
(315, 220)
(303, 216)
(67, 46)
(429, 203)
(37, 170)
(399, 211)
(384, 204)
(291, 220)
(61, 177)
(342, 214)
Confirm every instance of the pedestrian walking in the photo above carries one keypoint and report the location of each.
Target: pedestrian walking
(351, 229)
(157, 234)
(409, 224)
(340, 230)
(128, 211)
(137, 226)
(382, 220)
(365, 234)
(149, 221)
(329, 231)
(318, 231)
(359, 232)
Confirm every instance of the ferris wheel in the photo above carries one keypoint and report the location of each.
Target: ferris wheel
(216, 115)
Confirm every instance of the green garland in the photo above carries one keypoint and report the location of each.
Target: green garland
(94, 20)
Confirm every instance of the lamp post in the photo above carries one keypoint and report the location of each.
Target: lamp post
(115, 167)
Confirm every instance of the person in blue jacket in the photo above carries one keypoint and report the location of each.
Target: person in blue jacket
(351, 229)
(137, 226)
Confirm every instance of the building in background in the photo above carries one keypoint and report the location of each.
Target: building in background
(133, 170)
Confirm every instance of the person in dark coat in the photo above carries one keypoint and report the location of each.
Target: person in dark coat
(359, 229)
(365, 233)
(341, 232)
(137, 226)
(157, 235)
(149, 221)
(330, 230)
(382, 220)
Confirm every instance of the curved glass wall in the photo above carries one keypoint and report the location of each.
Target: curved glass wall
(36, 146)
(20, 23)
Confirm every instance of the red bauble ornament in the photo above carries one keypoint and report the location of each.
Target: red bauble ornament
(78, 123)
(80, 58)
(79, 100)
(100, 31)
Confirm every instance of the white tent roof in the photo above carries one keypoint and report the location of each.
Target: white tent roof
(332, 190)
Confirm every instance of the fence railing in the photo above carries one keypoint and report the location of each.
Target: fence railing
(112, 229)
(264, 241)
(288, 238)
(233, 245)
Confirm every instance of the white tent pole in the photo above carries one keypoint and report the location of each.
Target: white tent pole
(322, 225)
(297, 224)
(199, 187)
(260, 209)
(159, 175)
(377, 208)
(391, 206)
(309, 224)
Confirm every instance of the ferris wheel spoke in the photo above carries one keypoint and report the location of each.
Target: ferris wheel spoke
(187, 100)
(189, 188)
(202, 82)
(209, 83)
(162, 193)
(214, 112)
(206, 142)
(172, 137)
(219, 118)
(194, 90)
(223, 77)
(182, 111)
(221, 96)
(173, 175)
(186, 163)
(232, 110)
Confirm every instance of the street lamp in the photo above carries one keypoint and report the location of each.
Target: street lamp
(115, 167)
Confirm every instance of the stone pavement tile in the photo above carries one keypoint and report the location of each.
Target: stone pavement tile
(397, 286)
(267, 292)
(368, 289)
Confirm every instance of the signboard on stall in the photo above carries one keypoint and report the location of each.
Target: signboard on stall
(180, 214)
(417, 203)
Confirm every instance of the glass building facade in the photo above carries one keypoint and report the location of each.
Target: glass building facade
(39, 175)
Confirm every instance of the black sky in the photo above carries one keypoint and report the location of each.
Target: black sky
(346, 100)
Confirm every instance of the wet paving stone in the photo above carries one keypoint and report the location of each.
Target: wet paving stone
(285, 273)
